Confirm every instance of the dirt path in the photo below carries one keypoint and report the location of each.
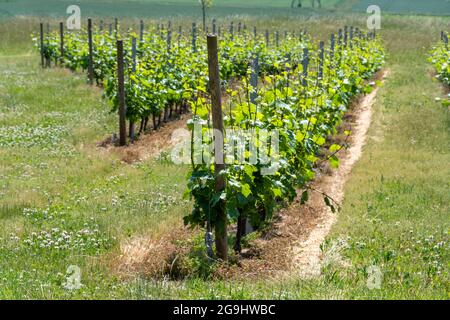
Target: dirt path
(307, 255)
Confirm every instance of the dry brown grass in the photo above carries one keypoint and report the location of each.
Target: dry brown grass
(152, 256)
(149, 145)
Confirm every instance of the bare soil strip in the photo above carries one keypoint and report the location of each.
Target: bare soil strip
(148, 145)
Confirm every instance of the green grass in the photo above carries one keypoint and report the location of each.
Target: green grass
(55, 180)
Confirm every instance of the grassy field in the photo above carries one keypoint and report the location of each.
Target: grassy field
(63, 201)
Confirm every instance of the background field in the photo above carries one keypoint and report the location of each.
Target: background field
(153, 8)
(158, 8)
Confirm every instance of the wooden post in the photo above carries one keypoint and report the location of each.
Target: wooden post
(48, 61)
(141, 32)
(42, 45)
(221, 220)
(332, 44)
(288, 68)
(214, 26)
(267, 38)
(101, 26)
(255, 32)
(116, 27)
(169, 40)
(340, 37)
(121, 92)
(239, 28)
(288, 59)
(254, 78)
(194, 37)
(351, 37)
(110, 29)
(232, 29)
(91, 53)
(305, 63)
(133, 54)
(321, 59)
(345, 36)
(61, 42)
(133, 68)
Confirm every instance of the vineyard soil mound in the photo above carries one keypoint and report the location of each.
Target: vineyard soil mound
(149, 145)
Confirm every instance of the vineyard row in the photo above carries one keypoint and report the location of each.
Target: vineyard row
(295, 88)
